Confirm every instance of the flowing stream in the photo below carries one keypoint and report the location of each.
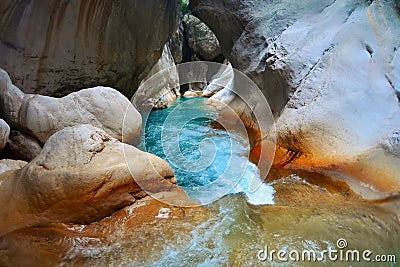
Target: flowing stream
(290, 214)
(208, 162)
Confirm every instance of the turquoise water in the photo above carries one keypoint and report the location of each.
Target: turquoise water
(208, 163)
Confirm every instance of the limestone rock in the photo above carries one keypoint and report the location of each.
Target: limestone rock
(221, 99)
(191, 94)
(249, 41)
(223, 79)
(200, 38)
(58, 47)
(10, 165)
(337, 61)
(164, 86)
(4, 133)
(22, 147)
(82, 175)
(41, 116)
(177, 43)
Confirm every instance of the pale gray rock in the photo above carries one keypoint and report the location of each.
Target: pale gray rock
(191, 94)
(223, 79)
(221, 99)
(249, 41)
(161, 84)
(10, 165)
(177, 43)
(4, 133)
(82, 175)
(58, 47)
(200, 38)
(41, 116)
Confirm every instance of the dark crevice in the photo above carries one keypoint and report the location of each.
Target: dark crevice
(314, 66)
(394, 89)
(369, 49)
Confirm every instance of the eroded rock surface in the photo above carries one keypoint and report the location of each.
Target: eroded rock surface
(41, 116)
(58, 47)
(161, 84)
(79, 177)
(337, 61)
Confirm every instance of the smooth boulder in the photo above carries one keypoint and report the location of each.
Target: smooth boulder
(41, 116)
(223, 79)
(82, 175)
(161, 84)
(200, 38)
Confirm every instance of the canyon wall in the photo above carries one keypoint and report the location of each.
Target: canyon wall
(331, 73)
(57, 47)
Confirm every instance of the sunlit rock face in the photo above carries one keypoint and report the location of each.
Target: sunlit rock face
(57, 47)
(81, 175)
(331, 73)
(41, 116)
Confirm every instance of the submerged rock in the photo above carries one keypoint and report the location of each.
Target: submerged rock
(82, 175)
(338, 63)
(4, 133)
(55, 48)
(41, 116)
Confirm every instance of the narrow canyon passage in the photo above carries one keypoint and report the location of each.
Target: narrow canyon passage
(199, 133)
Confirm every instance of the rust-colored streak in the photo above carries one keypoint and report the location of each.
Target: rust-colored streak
(105, 16)
(90, 14)
(61, 14)
(46, 47)
(81, 17)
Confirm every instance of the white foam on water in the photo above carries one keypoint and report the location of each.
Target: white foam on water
(263, 195)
